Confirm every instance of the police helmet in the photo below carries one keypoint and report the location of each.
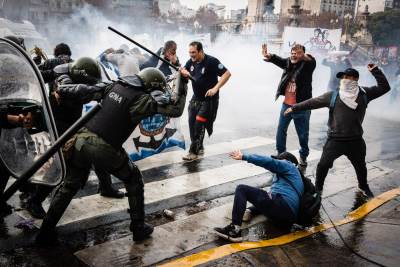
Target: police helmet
(85, 70)
(153, 79)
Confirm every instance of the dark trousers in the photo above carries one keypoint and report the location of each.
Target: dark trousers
(354, 150)
(274, 208)
(90, 150)
(197, 124)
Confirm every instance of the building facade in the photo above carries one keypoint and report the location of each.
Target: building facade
(339, 7)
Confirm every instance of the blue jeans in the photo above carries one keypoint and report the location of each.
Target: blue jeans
(275, 208)
(301, 122)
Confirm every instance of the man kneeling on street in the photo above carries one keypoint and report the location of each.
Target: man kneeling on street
(124, 104)
(347, 107)
(281, 204)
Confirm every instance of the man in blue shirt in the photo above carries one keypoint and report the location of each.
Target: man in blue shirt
(281, 204)
(203, 106)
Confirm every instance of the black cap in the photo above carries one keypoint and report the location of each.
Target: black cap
(288, 156)
(350, 72)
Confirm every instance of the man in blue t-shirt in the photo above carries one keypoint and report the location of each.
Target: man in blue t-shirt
(281, 204)
(203, 106)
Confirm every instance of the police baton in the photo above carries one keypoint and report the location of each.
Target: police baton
(147, 50)
(49, 153)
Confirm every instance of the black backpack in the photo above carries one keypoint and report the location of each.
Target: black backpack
(310, 202)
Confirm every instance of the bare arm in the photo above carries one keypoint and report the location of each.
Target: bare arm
(224, 78)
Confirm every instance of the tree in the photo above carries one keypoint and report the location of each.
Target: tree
(384, 27)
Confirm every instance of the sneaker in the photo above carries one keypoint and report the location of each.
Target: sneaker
(35, 209)
(247, 216)
(230, 233)
(190, 157)
(112, 193)
(141, 231)
(366, 191)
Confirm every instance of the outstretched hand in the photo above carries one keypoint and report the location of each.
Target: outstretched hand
(264, 51)
(288, 111)
(237, 154)
(371, 66)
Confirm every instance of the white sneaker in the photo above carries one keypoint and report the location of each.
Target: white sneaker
(190, 157)
(247, 215)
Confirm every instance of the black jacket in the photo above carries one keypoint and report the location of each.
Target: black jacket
(301, 72)
(345, 123)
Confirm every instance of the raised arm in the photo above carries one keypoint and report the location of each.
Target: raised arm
(382, 86)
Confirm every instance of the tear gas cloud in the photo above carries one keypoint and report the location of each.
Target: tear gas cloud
(250, 93)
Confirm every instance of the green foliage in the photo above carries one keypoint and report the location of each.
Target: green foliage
(385, 28)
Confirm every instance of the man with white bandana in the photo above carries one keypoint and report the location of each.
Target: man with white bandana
(346, 114)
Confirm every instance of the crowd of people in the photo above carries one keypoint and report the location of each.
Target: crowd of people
(141, 91)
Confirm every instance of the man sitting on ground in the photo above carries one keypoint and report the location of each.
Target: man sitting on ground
(281, 204)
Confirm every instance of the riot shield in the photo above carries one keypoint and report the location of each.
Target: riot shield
(23, 94)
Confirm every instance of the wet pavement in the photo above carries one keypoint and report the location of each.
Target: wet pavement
(375, 236)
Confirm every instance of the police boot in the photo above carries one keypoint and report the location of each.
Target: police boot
(35, 209)
(106, 188)
(140, 229)
(34, 204)
(111, 192)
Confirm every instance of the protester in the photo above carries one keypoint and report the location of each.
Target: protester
(126, 62)
(168, 52)
(346, 116)
(281, 204)
(296, 86)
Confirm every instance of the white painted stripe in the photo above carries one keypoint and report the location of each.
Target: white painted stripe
(173, 157)
(177, 237)
(160, 190)
(211, 150)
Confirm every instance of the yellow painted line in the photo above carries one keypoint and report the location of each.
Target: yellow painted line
(226, 250)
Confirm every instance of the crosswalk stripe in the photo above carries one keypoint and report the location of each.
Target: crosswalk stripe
(211, 150)
(178, 237)
(174, 157)
(162, 190)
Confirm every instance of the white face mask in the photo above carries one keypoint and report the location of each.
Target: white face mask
(348, 92)
(347, 84)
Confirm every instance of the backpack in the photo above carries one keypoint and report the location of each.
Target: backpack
(335, 93)
(310, 202)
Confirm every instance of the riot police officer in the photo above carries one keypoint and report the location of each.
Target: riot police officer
(125, 103)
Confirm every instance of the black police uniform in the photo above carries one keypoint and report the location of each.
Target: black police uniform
(203, 110)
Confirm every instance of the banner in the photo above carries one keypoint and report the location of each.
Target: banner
(315, 40)
(154, 134)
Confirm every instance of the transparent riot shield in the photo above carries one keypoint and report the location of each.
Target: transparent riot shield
(24, 96)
